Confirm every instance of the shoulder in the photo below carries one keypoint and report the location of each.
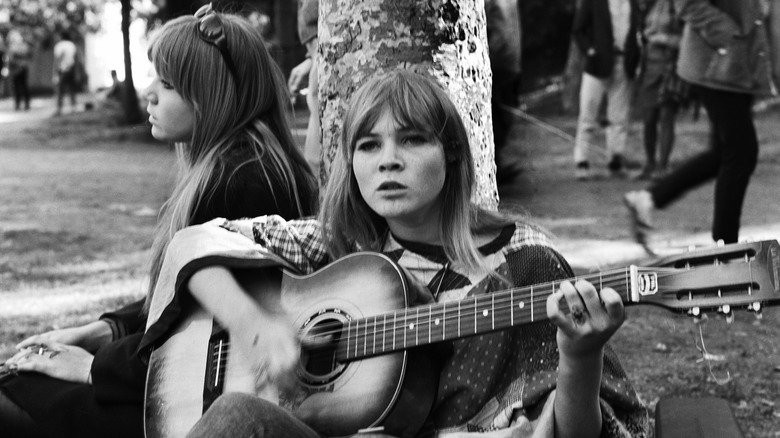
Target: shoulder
(528, 234)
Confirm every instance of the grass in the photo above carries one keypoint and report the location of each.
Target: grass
(79, 197)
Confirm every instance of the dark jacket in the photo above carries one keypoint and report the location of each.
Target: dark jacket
(593, 30)
(113, 404)
(728, 44)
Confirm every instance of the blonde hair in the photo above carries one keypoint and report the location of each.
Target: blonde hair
(224, 119)
(417, 102)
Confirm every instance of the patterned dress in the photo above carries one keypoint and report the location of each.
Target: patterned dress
(500, 384)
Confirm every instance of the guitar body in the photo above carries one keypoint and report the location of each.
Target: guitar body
(336, 399)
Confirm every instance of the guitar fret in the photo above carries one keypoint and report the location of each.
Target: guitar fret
(417, 327)
(395, 316)
(512, 307)
(475, 314)
(430, 323)
(458, 318)
(384, 331)
(493, 311)
(357, 335)
(532, 304)
(373, 344)
(444, 322)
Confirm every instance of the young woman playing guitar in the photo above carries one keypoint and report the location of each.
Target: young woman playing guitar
(401, 185)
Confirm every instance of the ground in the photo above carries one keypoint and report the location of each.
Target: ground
(80, 197)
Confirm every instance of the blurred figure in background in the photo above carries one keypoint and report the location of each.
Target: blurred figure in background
(65, 69)
(729, 51)
(19, 57)
(606, 31)
(306, 73)
(661, 90)
(505, 50)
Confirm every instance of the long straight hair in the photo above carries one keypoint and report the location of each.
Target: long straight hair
(258, 117)
(416, 102)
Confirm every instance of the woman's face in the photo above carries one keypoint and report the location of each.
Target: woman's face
(172, 118)
(400, 173)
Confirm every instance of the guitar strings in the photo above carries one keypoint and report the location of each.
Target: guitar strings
(469, 308)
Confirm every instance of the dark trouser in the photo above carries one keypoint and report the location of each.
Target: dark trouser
(505, 88)
(14, 422)
(731, 159)
(67, 82)
(21, 89)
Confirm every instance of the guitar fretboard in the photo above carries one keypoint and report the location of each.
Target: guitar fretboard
(471, 316)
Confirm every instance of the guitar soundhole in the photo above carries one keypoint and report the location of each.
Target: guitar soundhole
(320, 340)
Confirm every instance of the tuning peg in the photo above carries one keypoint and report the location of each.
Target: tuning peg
(691, 248)
(720, 243)
(756, 309)
(726, 311)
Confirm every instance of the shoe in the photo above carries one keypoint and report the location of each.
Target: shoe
(640, 206)
(646, 173)
(582, 171)
(616, 166)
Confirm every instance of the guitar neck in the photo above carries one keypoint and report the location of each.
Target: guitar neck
(428, 324)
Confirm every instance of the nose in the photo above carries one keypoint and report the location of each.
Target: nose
(149, 94)
(390, 159)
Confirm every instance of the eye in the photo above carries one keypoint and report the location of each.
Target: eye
(366, 145)
(165, 84)
(415, 139)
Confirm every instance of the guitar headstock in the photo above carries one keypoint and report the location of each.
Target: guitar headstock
(722, 279)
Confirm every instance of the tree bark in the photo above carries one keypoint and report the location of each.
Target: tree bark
(446, 39)
(130, 98)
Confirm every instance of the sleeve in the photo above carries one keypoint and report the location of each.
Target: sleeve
(118, 374)
(623, 414)
(582, 29)
(295, 245)
(712, 24)
(126, 320)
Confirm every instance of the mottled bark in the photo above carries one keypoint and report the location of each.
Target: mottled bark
(444, 38)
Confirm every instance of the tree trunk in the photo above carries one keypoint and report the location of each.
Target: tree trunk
(129, 98)
(446, 39)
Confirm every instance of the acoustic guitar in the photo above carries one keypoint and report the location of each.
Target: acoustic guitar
(364, 374)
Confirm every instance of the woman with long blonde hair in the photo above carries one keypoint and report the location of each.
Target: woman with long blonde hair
(222, 101)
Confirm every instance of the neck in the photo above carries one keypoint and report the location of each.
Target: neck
(421, 233)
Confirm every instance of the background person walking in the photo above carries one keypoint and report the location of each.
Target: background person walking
(606, 31)
(726, 52)
(66, 69)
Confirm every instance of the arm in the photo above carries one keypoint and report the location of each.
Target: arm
(262, 333)
(714, 26)
(582, 29)
(581, 342)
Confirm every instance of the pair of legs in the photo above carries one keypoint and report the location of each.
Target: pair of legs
(617, 89)
(15, 422)
(731, 159)
(21, 89)
(66, 84)
(659, 131)
(236, 415)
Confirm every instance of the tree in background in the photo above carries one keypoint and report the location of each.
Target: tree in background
(42, 20)
(446, 39)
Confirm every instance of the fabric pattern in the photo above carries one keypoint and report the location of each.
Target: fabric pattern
(495, 385)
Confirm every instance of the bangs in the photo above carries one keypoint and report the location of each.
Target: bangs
(412, 107)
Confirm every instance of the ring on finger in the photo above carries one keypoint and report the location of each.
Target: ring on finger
(578, 315)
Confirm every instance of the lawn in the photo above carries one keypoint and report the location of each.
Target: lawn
(79, 207)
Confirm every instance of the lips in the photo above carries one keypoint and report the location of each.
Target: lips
(391, 185)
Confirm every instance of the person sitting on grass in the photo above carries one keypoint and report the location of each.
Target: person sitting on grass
(401, 185)
(221, 99)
